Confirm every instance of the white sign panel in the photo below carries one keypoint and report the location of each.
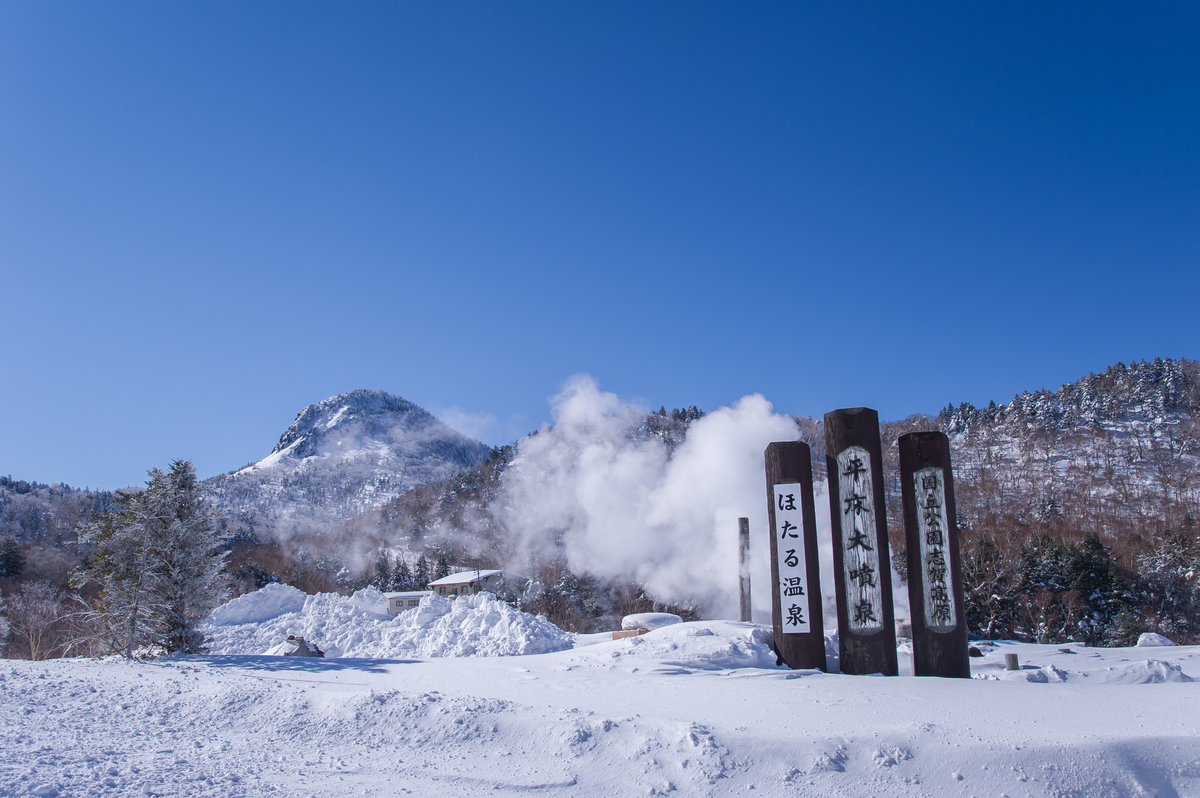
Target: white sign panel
(940, 612)
(860, 555)
(793, 571)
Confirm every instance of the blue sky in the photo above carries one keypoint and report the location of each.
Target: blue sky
(213, 214)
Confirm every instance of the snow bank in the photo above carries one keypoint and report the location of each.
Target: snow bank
(359, 626)
(1151, 639)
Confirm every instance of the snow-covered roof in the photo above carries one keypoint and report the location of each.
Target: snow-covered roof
(464, 577)
(407, 594)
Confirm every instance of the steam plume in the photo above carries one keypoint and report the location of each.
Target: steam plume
(619, 504)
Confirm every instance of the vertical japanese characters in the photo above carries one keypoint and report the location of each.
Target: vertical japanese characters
(793, 570)
(930, 490)
(798, 630)
(860, 557)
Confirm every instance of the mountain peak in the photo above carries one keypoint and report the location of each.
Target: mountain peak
(358, 413)
(345, 456)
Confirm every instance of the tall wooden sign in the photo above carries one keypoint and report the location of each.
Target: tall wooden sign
(935, 588)
(795, 575)
(862, 570)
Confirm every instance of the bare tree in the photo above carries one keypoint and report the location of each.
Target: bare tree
(5, 628)
(35, 611)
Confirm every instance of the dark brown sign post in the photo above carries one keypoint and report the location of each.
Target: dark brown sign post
(795, 574)
(935, 588)
(862, 570)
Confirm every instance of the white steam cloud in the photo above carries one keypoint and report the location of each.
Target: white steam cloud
(622, 505)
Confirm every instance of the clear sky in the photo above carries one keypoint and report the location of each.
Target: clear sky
(213, 214)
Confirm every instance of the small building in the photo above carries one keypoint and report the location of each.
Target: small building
(404, 600)
(465, 583)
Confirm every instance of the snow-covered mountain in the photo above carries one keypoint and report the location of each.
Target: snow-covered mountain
(343, 457)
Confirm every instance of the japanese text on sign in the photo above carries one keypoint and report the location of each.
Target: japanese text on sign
(793, 570)
(860, 557)
(940, 612)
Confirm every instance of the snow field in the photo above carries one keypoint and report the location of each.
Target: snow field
(695, 709)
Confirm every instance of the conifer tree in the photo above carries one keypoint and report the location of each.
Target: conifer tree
(442, 567)
(12, 562)
(421, 573)
(384, 580)
(402, 578)
(158, 561)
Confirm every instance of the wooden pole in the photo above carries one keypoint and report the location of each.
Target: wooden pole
(744, 609)
(796, 615)
(862, 570)
(935, 587)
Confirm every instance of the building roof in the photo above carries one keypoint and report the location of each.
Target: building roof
(464, 577)
(407, 594)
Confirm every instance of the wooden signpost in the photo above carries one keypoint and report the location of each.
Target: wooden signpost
(935, 588)
(861, 566)
(795, 577)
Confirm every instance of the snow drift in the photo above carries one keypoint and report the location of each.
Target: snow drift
(359, 626)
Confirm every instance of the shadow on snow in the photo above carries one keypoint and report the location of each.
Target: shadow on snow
(300, 664)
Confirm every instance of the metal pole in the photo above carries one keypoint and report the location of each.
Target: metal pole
(744, 570)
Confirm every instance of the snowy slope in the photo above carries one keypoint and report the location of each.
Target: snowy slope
(342, 457)
(694, 709)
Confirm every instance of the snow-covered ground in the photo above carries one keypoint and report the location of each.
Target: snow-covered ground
(689, 709)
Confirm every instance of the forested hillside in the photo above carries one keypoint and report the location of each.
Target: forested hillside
(40, 521)
(1077, 509)
(1079, 506)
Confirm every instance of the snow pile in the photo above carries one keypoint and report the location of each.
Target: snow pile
(261, 605)
(698, 645)
(1151, 639)
(472, 626)
(359, 626)
(649, 620)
